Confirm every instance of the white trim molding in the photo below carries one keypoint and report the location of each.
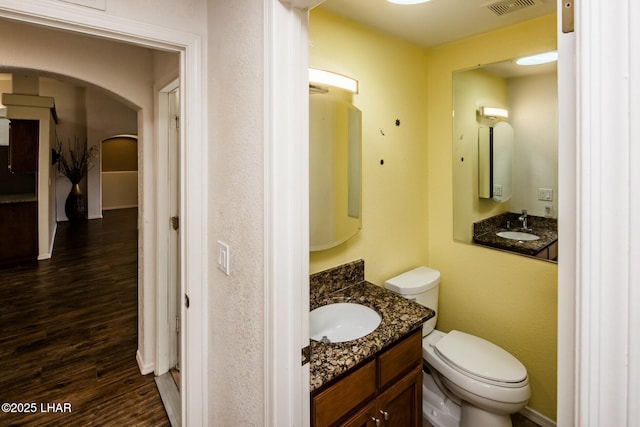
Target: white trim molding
(536, 417)
(607, 322)
(145, 368)
(286, 262)
(94, 4)
(567, 226)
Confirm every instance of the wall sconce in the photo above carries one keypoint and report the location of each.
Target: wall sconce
(492, 114)
(327, 78)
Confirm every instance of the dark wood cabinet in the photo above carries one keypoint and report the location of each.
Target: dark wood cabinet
(384, 392)
(18, 232)
(401, 404)
(24, 138)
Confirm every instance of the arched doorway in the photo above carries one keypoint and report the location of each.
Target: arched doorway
(119, 172)
(64, 59)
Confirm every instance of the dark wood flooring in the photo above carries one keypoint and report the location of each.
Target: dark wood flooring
(68, 332)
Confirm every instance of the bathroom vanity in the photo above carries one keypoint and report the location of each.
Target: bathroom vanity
(487, 233)
(376, 379)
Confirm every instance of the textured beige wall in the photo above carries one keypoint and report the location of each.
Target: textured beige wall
(236, 302)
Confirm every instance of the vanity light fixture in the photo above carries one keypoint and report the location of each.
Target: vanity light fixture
(322, 77)
(408, 1)
(541, 58)
(493, 113)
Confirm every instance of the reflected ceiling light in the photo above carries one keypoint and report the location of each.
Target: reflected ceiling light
(541, 58)
(321, 77)
(408, 1)
(493, 113)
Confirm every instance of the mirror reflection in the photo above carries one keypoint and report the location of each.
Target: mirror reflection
(495, 162)
(334, 169)
(505, 170)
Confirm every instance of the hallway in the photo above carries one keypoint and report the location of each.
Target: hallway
(68, 332)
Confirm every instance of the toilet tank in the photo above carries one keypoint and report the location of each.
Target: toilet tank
(420, 285)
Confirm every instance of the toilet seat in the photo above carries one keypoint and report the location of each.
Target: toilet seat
(480, 359)
(468, 385)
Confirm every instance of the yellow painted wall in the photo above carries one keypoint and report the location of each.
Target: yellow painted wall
(408, 202)
(391, 74)
(508, 299)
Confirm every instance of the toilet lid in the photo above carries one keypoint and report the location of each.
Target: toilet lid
(480, 358)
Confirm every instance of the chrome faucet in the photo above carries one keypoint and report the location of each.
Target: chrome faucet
(523, 218)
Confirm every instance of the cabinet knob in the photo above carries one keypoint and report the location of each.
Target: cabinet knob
(385, 415)
(376, 421)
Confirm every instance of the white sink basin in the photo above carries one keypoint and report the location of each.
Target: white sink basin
(517, 235)
(342, 322)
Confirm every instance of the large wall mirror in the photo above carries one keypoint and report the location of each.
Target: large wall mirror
(505, 165)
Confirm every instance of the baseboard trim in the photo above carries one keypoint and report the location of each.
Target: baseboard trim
(144, 368)
(170, 398)
(49, 254)
(537, 417)
(111, 208)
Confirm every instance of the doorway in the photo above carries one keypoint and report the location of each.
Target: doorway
(174, 234)
(119, 172)
(104, 28)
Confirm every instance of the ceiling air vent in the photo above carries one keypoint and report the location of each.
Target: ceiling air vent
(502, 7)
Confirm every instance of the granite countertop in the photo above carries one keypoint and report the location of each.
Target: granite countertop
(17, 198)
(485, 233)
(399, 317)
(527, 247)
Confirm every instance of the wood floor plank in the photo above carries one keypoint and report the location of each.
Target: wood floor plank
(68, 331)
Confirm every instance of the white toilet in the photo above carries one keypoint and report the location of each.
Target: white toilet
(472, 382)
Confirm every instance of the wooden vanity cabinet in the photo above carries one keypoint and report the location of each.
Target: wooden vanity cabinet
(550, 252)
(384, 392)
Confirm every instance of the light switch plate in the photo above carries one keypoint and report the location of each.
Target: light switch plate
(223, 257)
(545, 194)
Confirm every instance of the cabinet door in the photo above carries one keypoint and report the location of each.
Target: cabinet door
(401, 404)
(24, 137)
(18, 232)
(365, 418)
(343, 397)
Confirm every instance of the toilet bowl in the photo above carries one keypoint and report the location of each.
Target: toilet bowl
(471, 381)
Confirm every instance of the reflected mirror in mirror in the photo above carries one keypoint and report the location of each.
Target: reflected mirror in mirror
(334, 169)
(487, 198)
(495, 161)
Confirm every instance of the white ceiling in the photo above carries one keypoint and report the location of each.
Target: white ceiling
(437, 21)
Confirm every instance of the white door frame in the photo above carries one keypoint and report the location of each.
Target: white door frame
(165, 324)
(194, 189)
(566, 224)
(286, 211)
(599, 276)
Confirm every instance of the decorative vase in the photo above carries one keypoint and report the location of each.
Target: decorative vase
(74, 206)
